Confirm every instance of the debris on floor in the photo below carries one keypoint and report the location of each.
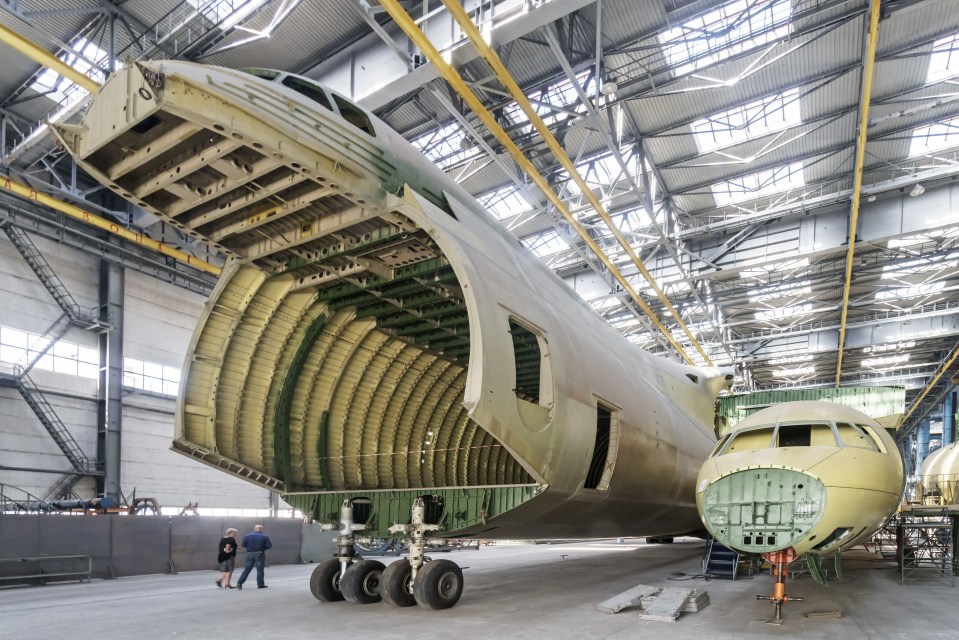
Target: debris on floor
(663, 605)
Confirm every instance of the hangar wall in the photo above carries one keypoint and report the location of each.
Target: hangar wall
(116, 543)
(159, 320)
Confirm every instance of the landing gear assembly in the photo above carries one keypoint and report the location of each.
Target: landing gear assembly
(417, 579)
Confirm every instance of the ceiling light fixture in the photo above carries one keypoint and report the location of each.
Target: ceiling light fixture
(871, 197)
(917, 190)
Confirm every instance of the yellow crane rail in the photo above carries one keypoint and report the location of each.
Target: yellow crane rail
(857, 180)
(83, 215)
(408, 25)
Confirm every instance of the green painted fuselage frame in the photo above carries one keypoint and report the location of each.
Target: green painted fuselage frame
(451, 509)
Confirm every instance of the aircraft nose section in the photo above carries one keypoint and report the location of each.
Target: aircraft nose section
(763, 509)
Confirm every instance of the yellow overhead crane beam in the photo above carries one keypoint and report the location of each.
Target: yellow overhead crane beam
(929, 385)
(407, 24)
(486, 51)
(857, 180)
(83, 215)
(43, 57)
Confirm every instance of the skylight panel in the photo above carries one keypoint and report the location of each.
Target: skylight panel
(556, 103)
(767, 115)
(505, 203)
(735, 27)
(885, 361)
(914, 291)
(944, 61)
(546, 244)
(796, 359)
(908, 241)
(778, 267)
(228, 13)
(935, 137)
(889, 346)
(795, 372)
(791, 289)
(58, 88)
(446, 146)
(759, 184)
(784, 312)
(915, 267)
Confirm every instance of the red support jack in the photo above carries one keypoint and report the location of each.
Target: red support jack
(780, 561)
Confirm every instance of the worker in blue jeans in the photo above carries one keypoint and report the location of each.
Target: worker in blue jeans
(256, 543)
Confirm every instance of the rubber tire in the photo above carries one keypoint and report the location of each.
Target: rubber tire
(438, 585)
(325, 581)
(394, 584)
(361, 582)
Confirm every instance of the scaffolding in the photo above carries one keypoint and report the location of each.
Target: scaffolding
(926, 545)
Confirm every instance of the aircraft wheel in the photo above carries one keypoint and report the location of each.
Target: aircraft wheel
(361, 582)
(396, 586)
(438, 585)
(325, 581)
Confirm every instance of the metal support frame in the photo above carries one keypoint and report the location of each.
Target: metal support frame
(110, 387)
(925, 544)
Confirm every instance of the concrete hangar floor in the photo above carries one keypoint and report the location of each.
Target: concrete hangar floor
(512, 591)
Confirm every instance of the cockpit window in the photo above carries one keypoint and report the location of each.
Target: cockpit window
(750, 439)
(852, 435)
(810, 434)
(312, 91)
(354, 115)
(720, 445)
(871, 433)
(266, 74)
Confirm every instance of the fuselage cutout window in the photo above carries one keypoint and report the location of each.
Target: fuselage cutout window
(266, 74)
(354, 115)
(527, 358)
(816, 434)
(604, 449)
(306, 88)
(794, 435)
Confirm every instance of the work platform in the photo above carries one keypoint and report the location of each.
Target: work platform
(926, 542)
(511, 591)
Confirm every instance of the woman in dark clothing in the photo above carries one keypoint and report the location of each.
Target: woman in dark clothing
(226, 555)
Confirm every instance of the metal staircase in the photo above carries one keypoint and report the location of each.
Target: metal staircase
(53, 284)
(39, 347)
(54, 426)
(63, 487)
(73, 315)
(720, 561)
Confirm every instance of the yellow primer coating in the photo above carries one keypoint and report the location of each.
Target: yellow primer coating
(459, 85)
(862, 486)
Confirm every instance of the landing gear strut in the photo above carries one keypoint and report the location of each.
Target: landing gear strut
(417, 579)
(343, 577)
(780, 561)
(432, 584)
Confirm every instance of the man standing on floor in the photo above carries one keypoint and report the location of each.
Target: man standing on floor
(256, 543)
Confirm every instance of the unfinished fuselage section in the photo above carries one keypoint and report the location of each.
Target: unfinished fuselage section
(376, 335)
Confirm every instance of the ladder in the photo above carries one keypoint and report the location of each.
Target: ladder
(720, 561)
